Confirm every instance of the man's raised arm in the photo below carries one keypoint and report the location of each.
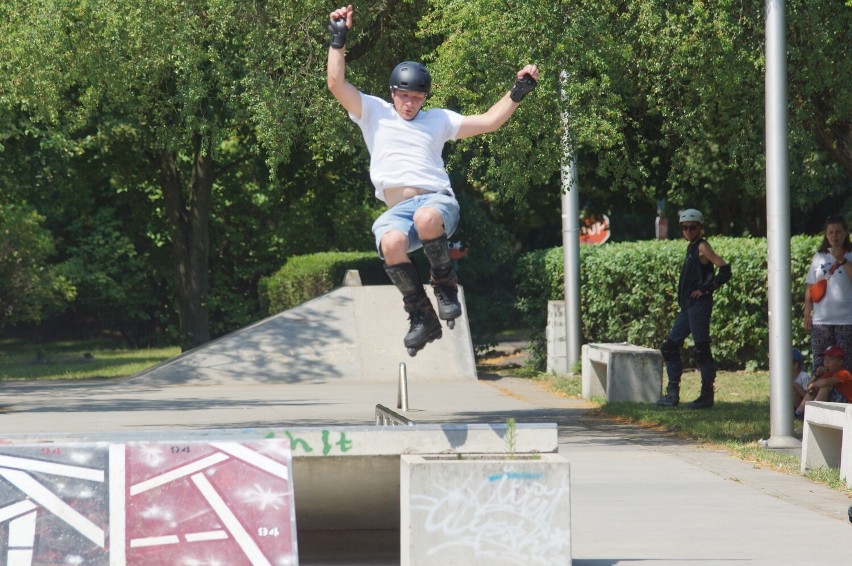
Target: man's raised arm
(500, 112)
(340, 21)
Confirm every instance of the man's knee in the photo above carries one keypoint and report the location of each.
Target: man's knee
(702, 353)
(394, 246)
(428, 222)
(670, 351)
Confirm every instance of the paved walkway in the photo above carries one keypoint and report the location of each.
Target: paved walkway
(638, 496)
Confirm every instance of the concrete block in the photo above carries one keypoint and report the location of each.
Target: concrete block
(827, 438)
(622, 372)
(557, 339)
(484, 510)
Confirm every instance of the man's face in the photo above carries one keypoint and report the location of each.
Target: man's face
(407, 102)
(691, 230)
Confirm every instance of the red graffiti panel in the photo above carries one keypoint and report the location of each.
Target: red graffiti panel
(210, 504)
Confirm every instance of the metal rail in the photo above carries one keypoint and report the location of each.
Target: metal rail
(388, 417)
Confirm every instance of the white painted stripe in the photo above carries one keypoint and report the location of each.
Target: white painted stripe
(22, 531)
(183, 471)
(154, 541)
(79, 472)
(53, 504)
(251, 457)
(242, 538)
(21, 557)
(16, 509)
(117, 506)
(209, 535)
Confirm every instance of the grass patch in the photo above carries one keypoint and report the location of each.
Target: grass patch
(741, 412)
(76, 359)
(737, 422)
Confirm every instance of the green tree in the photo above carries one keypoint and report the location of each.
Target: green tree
(28, 288)
(664, 99)
(192, 92)
(190, 81)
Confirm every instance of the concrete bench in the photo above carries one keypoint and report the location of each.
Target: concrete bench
(622, 372)
(827, 438)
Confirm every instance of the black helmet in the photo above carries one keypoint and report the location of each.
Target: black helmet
(409, 75)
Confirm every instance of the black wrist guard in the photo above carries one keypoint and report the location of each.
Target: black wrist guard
(522, 88)
(338, 31)
(722, 277)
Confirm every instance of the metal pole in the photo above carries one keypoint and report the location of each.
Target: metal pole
(402, 390)
(778, 232)
(570, 240)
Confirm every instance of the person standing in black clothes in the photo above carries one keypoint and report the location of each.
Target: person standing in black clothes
(695, 299)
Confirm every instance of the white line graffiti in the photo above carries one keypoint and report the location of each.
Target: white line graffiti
(508, 518)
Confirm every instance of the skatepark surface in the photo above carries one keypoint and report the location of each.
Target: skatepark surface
(638, 496)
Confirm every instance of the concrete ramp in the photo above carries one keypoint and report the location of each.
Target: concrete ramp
(352, 334)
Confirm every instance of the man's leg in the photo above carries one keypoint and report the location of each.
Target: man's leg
(429, 223)
(699, 322)
(674, 363)
(424, 324)
(444, 280)
(392, 230)
(707, 368)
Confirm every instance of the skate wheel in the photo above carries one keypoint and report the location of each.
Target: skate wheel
(451, 324)
(412, 352)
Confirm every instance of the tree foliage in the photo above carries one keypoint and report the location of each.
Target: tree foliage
(180, 151)
(663, 100)
(29, 287)
(200, 86)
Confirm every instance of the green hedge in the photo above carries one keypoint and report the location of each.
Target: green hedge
(628, 294)
(487, 274)
(307, 276)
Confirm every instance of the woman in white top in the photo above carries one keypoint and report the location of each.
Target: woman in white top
(828, 293)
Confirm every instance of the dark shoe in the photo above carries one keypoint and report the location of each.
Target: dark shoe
(446, 288)
(704, 401)
(799, 415)
(449, 307)
(669, 400)
(424, 325)
(672, 396)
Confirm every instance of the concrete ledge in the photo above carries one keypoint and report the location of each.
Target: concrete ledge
(622, 372)
(827, 438)
(347, 477)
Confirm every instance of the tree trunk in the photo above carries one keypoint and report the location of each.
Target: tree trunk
(188, 213)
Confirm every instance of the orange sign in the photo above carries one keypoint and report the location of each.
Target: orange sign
(594, 229)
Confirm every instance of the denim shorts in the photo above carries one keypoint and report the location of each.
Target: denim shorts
(401, 218)
(836, 396)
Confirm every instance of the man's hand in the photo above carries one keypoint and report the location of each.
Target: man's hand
(525, 83)
(340, 21)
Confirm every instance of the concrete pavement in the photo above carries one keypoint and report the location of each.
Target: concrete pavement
(638, 495)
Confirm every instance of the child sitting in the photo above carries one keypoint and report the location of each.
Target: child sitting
(801, 379)
(832, 381)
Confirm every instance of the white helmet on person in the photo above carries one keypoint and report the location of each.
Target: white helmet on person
(691, 215)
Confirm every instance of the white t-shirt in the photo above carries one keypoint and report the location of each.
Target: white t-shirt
(803, 379)
(406, 153)
(836, 307)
